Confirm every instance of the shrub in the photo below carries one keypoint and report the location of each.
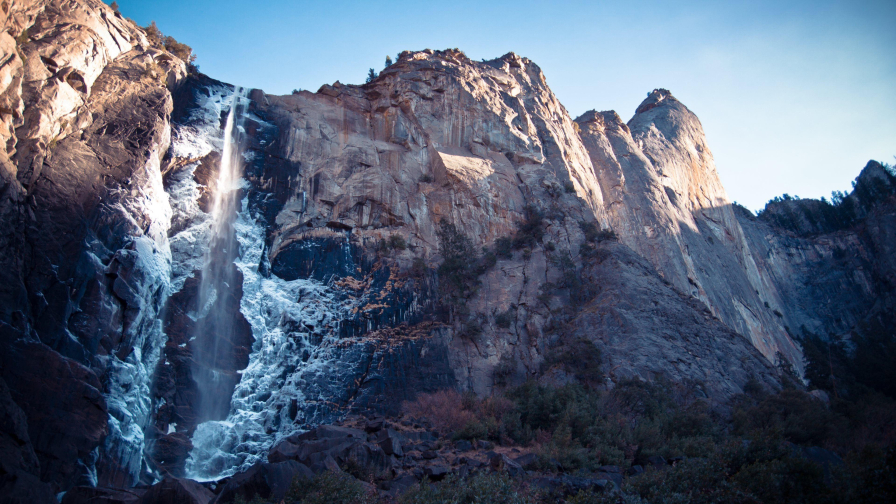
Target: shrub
(458, 272)
(531, 229)
(419, 267)
(444, 408)
(426, 178)
(504, 319)
(504, 247)
(160, 41)
(579, 357)
(327, 488)
(482, 488)
(791, 414)
(396, 242)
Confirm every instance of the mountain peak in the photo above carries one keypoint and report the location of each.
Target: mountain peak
(654, 99)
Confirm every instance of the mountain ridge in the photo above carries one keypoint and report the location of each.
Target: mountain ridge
(591, 229)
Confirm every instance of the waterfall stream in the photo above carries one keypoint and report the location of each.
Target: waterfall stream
(243, 410)
(213, 338)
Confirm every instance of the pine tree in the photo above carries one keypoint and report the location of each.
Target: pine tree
(371, 75)
(388, 61)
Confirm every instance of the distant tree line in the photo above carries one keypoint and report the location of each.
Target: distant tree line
(840, 212)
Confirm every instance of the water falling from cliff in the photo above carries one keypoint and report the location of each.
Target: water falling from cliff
(219, 327)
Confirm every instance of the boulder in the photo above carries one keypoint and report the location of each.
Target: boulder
(437, 473)
(25, 488)
(374, 424)
(501, 462)
(390, 442)
(526, 461)
(94, 495)
(177, 491)
(269, 481)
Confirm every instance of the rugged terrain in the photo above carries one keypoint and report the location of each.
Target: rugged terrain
(447, 225)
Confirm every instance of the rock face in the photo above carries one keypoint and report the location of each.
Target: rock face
(575, 235)
(666, 202)
(85, 262)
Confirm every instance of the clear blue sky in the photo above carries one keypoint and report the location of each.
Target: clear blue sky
(795, 97)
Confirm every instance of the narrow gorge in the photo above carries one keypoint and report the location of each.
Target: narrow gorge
(193, 272)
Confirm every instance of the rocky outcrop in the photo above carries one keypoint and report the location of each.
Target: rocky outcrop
(85, 268)
(832, 266)
(666, 202)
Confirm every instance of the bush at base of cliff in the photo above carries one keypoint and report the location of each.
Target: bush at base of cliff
(480, 489)
(328, 488)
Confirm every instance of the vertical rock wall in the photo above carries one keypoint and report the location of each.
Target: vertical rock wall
(86, 263)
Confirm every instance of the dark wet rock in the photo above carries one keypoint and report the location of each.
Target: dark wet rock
(615, 477)
(390, 442)
(501, 462)
(177, 491)
(437, 473)
(25, 488)
(64, 406)
(527, 461)
(463, 445)
(327, 464)
(428, 455)
(16, 451)
(374, 424)
(341, 445)
(93, 495)
(269, 481)
(169, 452)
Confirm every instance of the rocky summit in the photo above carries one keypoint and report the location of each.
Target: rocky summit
(204, 287)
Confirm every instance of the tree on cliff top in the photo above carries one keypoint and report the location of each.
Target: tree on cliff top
(168, 43)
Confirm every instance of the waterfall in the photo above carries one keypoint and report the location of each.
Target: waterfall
(294, 327)
(214, 332)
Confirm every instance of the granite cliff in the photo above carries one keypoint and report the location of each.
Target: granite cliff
(447, 225)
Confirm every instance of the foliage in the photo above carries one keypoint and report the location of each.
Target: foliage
(580, 358)
(843, 210)
(751, 459)
(395, 242)
(419, 269)
(371, 76)
(168, 43)
(327, 487)
(504, 319)
(831, 366)
(483, 488)
(530, 230)
(460, 269)
(388, 61)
